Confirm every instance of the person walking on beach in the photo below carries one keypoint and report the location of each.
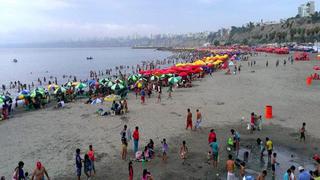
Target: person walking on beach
(124, 147)
(18, 173)
(198, 120)
(142, 94)
(215, 153)
(267, 63)
(277, 63)
(127, 133)
(165, 149)
(230, 166)
(183, 152)
(92, 158)
(78, 163)
(189, 120)
(39, 172)
(130, 168)
(135, 137)
(236, 140)
(302, 132)
(269, 147)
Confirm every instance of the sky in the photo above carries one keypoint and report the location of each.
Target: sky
(29, 21)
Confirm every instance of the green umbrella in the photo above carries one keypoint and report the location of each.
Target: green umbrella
(37, 93)
(133, 78)
(60, 90)
(117, 86)
(110, 84)
(81, 86)
(154, 78)
(119, 81)
(68, 84)
(174, 80)
(104, 81)
(142, 79)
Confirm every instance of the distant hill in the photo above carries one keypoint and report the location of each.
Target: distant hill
(295, 29)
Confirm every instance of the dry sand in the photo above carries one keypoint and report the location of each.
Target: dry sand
(53, 135)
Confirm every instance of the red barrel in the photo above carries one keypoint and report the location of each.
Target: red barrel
(268, 112)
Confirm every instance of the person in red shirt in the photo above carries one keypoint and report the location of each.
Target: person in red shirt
(252, 122)
(212, 136)
(135, 136)
(92, 158)
(189, 120)
(130, 171)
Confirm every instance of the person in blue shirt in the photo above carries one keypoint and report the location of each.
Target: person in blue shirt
(78, 164)
(303, 175)
(215, 153)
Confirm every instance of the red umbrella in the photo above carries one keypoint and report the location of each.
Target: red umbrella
(183, 74)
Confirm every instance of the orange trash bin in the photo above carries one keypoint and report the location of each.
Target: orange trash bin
(268, 112)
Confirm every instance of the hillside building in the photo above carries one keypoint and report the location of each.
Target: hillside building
(307, 9)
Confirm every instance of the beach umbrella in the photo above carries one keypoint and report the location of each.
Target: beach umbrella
(91, 82)
(142, 79)
(112, 98)
(110, 84)
(96, 101)
(133, 78)
(119, 81)
(68, 84)
(174, 80)
(117, 86)
(36, 93)
(81, 86)
(154, 78)
(104, 81)
(25, 92)
(183, 74)
(52, 87)
(60, 90)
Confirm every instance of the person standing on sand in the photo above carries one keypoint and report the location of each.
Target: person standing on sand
(92, 158)
(230, 166)
(198, 120)
(130, 168)
(215, 153)
(135, 137)
(78, 163)
(302, 132)
(183, 151)
(39, 172)
(262, 175)
(236, 139)
(267, 63)
(269, 147)
(165, 149)
(189, 120)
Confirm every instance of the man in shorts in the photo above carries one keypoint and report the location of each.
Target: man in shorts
(215, 153)
(302, 132)
(189, 120)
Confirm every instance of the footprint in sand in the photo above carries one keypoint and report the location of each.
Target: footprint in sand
(174, 113)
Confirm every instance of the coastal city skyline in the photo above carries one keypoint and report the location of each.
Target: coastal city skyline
(67, 20)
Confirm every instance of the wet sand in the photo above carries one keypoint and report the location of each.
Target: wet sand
(53, 135)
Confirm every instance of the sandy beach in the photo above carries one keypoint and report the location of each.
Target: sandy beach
(52, 136)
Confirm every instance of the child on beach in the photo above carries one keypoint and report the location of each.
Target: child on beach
(274, 163)
(130, 171)
(183, 151)
(209, 157)
(78, 164)
(302, 132)
(165, 148)
(87, 166)
(92, 158)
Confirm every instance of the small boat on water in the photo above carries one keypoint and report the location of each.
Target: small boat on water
(89, 58)
(15, 60)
